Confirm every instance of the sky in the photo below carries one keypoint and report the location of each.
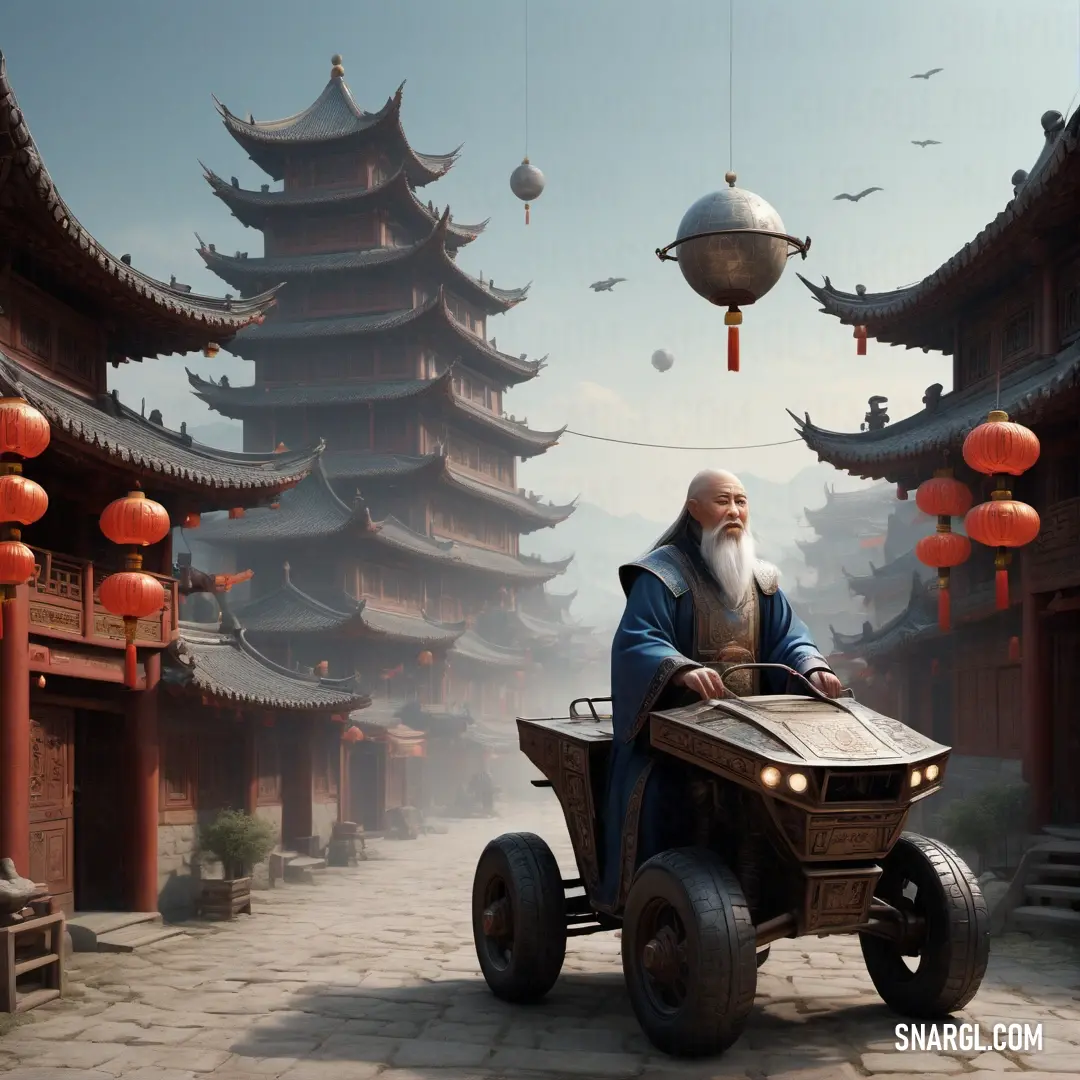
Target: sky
(628, 111)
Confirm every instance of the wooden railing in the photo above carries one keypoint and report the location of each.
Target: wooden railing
(64, 604)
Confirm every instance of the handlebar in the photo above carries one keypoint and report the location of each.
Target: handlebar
(791, 672)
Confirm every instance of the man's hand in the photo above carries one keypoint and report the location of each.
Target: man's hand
(703, 681)
(827, 683)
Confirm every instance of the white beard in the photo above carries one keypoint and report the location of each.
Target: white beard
(731, 557)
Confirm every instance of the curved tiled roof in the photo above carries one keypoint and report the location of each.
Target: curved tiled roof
(312, 511)
(105, 428)
(255, 208)
(333, 117)
(902, 567)
(915, 315)
(244, 273)
(472, 648)
(157, 318)
(240, 401)
(917, 620)
(290, 610)
(893, 451)
(844, 507)
(227, 666)
(434, 313)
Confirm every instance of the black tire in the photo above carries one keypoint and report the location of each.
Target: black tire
(522, 957)
(690, 902)
(953, 956)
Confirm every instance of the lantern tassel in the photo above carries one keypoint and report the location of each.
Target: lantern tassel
(944, 610)
(861, 347)
(733, 348)
(131, 668)
(1001, 589)
(526, 213)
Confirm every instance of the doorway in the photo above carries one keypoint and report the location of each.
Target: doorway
(52, 801)
(296, 786)
(102, 870)
(1065, 727)
(367, 784)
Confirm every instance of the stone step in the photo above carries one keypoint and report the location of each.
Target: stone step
(303, 869)
(88, 927)
(1061, 893)
(1057, 869)
(138, 936)
(1064, 832)
(1038, 921)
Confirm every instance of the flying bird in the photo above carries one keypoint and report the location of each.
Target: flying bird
(927, 74)
(606, 285)
(925, 142)
(855, 198)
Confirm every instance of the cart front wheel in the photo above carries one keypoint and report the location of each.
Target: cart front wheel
(689, 953)
(939, 970)
(519, 917)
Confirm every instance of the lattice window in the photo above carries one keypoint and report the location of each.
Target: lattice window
(178, 768)
(62, 578)
(975, 360)
(1019, 334)
(35, 334)
(75, 355)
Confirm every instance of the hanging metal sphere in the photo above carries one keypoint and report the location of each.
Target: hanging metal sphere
(527, 182)
(728, 268)
(662, 360)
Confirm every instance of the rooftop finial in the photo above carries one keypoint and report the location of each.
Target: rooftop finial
(730, 177)
(337, 71)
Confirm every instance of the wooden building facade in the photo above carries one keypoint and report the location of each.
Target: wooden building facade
(80, 768)
(1001, 686)
(409, 531)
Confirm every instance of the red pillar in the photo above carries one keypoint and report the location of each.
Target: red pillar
(1037, 712)
(142, 730)
(15, 732)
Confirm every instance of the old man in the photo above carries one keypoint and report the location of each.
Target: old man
(698, 603)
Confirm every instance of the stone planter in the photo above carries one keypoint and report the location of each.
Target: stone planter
(225, 899)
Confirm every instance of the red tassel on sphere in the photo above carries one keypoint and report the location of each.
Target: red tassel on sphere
(526, 213)
(733, 348)
(131, 668)
(861, 350)
(944, 609)
(1001, 589)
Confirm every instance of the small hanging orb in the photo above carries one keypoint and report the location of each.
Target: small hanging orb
(527, 183)
(662, 360)
(732, 249)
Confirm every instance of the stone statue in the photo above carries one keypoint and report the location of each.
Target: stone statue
(15, 892)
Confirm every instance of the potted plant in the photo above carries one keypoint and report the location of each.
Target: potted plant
(239, 842)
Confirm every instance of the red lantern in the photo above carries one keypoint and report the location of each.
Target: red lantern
(944, 498)
(21, 500)
(860, 340)
(135, 521)
(1002, 523)
(425, 659)
(23, 430)
(352, 735)
(17, 563)
(133, 596)
(1000, 447)
(418, 750)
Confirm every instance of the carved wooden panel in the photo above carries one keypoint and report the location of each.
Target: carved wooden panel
(52, 761)
(269, 759)
(1052, 560)
(178, 772)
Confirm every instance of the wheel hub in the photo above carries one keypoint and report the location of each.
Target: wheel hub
(496, 919)
(663, 955)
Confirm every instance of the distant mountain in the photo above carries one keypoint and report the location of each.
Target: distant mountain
(601, 541)
(223, 434)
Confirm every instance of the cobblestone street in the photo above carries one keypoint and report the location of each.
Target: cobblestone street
(372, 972)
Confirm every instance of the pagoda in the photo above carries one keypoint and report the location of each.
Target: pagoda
(393, 557)
(850, 528)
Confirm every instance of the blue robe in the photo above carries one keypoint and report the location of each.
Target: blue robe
(655, 641)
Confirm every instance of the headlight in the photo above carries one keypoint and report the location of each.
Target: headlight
(797, 782)
(916, 778)
(770, 776)
(932, 773)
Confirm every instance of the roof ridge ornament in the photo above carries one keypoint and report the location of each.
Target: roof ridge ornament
(337, 71)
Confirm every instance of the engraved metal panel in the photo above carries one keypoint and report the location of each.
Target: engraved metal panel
(835, 900)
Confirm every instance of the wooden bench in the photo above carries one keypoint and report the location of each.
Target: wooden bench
(12, 966)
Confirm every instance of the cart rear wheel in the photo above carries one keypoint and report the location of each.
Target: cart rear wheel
(519, 917)
(941, 969)
(689, 953)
